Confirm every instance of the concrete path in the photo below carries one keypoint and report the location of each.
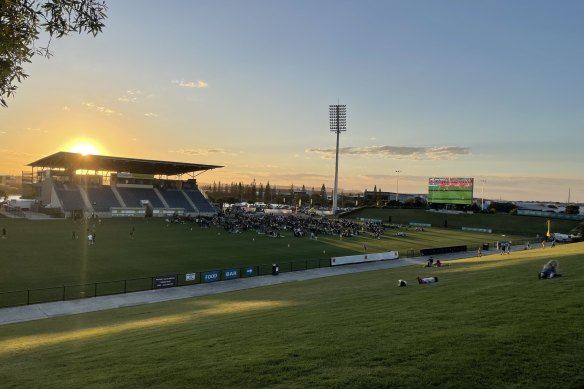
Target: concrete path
(71, 307)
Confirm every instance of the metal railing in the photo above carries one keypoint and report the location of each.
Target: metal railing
(106, 288)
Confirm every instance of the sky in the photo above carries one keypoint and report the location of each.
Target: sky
(492, 90)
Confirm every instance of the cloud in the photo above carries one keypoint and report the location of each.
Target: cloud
(101, 109)
(3, 132)
(190, 84)
(130, 96)
(151, 114)
(66, 108)
(397, 152)
(36, 129)
(198, 151)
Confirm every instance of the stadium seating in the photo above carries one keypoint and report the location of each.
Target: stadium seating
(133, 197)
(102, 198)
(176, 199)
(200, 201)
(71, 199)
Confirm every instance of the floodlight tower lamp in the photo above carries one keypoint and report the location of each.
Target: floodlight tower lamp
(338, 124)
(397, 186)
(483, 194)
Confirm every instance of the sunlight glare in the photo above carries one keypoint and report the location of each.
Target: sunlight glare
(84, 149)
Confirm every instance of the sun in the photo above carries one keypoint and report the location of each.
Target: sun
(84, 148)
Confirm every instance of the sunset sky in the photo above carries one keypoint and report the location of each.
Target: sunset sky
(487, 89)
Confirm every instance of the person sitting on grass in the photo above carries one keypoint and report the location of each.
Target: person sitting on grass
(430, 262)
(427, 280)
(550, 270)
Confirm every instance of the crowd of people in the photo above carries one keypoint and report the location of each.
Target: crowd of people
(279, 225)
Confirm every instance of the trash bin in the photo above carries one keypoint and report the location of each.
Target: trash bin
(485, 246)
(275, 269)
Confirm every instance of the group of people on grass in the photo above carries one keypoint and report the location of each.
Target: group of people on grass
(431, 263)
(549, 270)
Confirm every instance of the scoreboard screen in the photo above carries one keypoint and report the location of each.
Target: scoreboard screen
(450, 190)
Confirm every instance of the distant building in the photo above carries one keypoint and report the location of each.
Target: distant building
(385, 197)
(10, 184)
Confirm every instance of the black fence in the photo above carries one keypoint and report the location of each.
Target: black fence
(96, 289)
(443, 250)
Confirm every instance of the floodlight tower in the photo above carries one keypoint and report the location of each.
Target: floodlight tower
(397, 187)
(483, 195)
(338, 124)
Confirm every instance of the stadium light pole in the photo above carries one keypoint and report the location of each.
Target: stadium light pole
(397, 187)
(338, 124)
(483, 195)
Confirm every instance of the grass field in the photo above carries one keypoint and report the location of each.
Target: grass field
(499, 223)
(486, 324)
(40, 254)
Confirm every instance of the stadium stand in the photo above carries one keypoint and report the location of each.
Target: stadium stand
(71, 199)
(133, 197)
(176, 199)
(105, 186)
(102, 198)
(200, 201)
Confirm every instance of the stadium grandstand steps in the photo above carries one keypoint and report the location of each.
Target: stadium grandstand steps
(176, 199)
(200, 201)
(133, 197)
(70, 199)
(102, 198)
(161, 197)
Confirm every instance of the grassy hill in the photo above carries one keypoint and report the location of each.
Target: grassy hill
(488, 323)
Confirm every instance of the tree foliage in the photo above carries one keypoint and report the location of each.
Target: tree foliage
(21, 23)
(502, 207)
(572, 209)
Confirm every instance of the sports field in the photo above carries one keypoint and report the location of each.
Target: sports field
(43, 253)
(485, 324)
(500, 223)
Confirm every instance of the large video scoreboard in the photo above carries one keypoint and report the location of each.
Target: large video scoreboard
(450, 190)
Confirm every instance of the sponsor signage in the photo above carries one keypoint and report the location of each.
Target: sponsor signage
(413, 224)
(191, 277)
(473, 229)
(211, 276)
(336, 261)
(230, 274)
(249, 271)
(164, 282)
(136, 175)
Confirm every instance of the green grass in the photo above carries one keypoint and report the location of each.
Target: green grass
(486, 324)
(41, 254)
(499, 223)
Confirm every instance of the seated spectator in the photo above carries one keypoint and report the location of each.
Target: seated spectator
(550, 270)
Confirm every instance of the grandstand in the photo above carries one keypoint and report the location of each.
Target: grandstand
(105, 186)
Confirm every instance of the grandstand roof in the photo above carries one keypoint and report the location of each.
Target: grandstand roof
(75, 161)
